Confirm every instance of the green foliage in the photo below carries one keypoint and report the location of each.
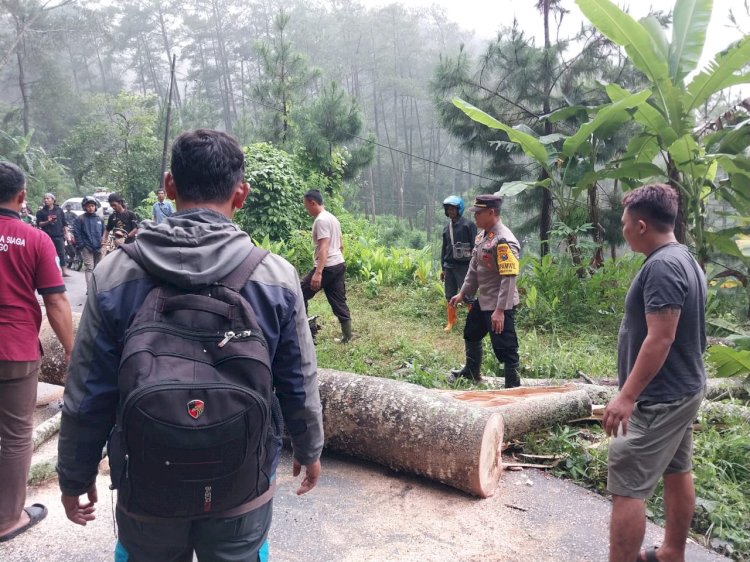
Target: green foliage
(330, 124)
(116, 146)
(274, 207)
(560, 355)
(43, 172)
(145, 210)
(721, 466)
(583, 453)
(668, 118)
(557, 294)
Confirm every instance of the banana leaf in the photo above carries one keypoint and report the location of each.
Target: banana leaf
(719, 74)
(689, 25)
(530, 145)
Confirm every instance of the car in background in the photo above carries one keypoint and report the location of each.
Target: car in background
(75, 205)
(104, 209)
(103, 197)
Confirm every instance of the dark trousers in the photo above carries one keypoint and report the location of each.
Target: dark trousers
(504, 344)
(332, 283)
(59, 243)
(212, 539)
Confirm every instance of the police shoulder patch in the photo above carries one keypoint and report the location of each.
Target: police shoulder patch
(507, 263)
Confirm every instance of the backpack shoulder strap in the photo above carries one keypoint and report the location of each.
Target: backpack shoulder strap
(239, 276)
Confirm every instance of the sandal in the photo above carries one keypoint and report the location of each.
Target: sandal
(650, 555)
(36, 513)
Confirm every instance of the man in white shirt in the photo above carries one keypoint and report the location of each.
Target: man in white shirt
(329, 268)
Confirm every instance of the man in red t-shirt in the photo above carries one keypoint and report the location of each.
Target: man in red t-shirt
(27, 263)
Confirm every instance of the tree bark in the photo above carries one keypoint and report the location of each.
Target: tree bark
(54, 369)
(530, 409)
(408, 428)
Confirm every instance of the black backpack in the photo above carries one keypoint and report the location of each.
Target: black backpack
(196, 392)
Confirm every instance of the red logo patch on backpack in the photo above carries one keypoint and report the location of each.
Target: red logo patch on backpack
(196, 408)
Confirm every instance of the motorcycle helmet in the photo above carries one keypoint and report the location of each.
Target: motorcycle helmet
(455, 201)
(88, 199)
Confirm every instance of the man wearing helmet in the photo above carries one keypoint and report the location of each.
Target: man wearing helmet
(88, 230)
(492, 271)
(458, 242)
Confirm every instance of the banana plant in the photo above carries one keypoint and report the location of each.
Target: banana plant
(570, 163)
(668, 117)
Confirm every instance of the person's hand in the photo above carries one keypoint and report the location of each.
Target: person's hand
(312, 473)
(80, 513)
(442, 275)
(617, 412)
(498, 321)
(456, 299)
(316, 281)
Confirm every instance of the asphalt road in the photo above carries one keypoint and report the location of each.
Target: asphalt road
(363, 512)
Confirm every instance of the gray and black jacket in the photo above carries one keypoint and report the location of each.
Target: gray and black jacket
(192, 248)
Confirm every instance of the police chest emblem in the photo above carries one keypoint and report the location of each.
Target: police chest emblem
(196, 408)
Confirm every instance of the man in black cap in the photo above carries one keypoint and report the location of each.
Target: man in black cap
(493, 270)
(51, 220)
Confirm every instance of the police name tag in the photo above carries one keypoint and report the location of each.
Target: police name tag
(507, 264)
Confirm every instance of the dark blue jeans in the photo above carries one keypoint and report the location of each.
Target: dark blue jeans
(212, 539)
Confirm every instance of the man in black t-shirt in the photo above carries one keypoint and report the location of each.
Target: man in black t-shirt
(51, 220)
(662, 380)
(121, 218)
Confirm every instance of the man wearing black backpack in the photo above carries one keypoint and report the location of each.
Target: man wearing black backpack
(192, 345)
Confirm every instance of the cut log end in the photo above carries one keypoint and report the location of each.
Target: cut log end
(490, 467)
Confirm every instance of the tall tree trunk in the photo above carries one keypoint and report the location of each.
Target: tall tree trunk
(73, 67)
(545, 219)
(20, 50)
(680, 227)
(593, 203)
(167, 47)
(102, 72)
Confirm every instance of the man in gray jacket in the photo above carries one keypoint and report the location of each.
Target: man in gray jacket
(197, 246)
(493, 270)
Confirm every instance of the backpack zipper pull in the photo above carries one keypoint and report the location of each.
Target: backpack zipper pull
(227, 336)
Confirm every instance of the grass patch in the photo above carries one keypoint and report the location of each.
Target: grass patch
(721, 466)
(399, 334)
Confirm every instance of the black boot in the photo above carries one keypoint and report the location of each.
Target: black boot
(473, 366)
(512, 378)
(346, 332)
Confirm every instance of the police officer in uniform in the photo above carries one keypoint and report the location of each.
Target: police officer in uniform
(493, 270)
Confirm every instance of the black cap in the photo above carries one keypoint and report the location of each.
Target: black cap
(483, 202)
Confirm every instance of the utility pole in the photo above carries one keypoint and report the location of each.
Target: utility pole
(166, 126)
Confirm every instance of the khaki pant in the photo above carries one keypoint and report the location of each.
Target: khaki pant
(91, 259)
(18, 382)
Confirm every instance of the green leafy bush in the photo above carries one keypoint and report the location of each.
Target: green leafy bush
(274, 206)
(558, 294)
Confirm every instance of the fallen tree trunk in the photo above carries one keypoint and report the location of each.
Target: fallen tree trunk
(53, 369)
(716, 388)
(530, 409)
(408, 428)
(44, 431)
(720, 411)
